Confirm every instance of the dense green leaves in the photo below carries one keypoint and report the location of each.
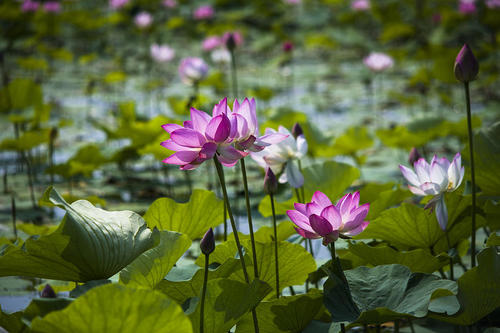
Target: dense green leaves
(286, 314)
(226, 301)
(193, 218)
(115, 308)
(90, 244)
(153, 265)
(295, 263)
(418, 260)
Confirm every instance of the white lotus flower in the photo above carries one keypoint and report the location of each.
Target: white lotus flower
(436, 178)
(280, 157)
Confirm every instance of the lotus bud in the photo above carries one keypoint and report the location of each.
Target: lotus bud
(287, 46)
(48, 292)
(230, 42)
(297, 130)
(466, 65)
(207, 244)
(413, 156)
(270, 182)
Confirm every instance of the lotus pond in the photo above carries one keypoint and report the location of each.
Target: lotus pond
(250, 166)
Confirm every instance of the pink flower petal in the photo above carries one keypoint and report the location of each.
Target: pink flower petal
(218, 128)
(188, 138)
(313, 208)
(321, 199)
(200, 120)
(410, 175)
(332, 215)
(220, 108)
(357, 230)
(171, 127)
(181, 157)
(320, 225)
(301, 208)
(307, 234)
(299, 220)
(270, 139)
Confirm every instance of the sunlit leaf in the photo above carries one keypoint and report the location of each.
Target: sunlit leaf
(115, 308)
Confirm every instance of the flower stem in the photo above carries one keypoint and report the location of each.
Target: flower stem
(451, 259)
(220, 173)
(473, 176)
(249, 216)
(13, 207)
(332, 250)
(203, 293)
(233, 74)
(271, 196)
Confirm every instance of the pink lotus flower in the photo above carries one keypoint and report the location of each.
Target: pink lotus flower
(52, 7)
(244, 126)
(287, 46)
(169, 3)
(162, 53)
(192, 70)
(211, 43)
(435, 179)
(493, 4)
(360, 5)
(237, 38)
(30, 6)
(143, 20)
(204, 12)
(467, 6)
(378, 62)
(321, 219)
(117, 4)
(200, 139)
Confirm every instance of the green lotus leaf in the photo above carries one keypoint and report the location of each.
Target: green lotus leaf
(226, 302)
(116, 308)
(384, 293)
(203, 211)
(478, 290)
(152, 266)
(286, 314)
(89, 244)
(418, 260)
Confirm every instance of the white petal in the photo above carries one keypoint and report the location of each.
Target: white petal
(295, 178)
(441, 213)
(410, 176)
(301, 146)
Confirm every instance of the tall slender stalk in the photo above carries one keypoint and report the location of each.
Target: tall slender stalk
(233, 74)
(473, 176)
(271, 196)
(249, 216)
(220, 173)
(451, 259)
(29, 174)
(14, 213)
(203, 293)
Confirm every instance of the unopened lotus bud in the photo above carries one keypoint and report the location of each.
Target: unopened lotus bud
(414, 156)
(48, 292)
(207, 244)
(230, 42)
(270, 182)
(287, 46)
(297, 130)
(466, 65)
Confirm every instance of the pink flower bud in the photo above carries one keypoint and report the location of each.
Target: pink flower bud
(270, 182)
(48, 292)
(466, 65)
(207, 244)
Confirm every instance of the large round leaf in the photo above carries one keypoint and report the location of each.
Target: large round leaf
(90, 244)
(115, 308)
(152, 266)
(193, 218)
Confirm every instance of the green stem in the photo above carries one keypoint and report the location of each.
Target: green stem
(225, 222)
(473, 176)
(249, 216)
(220, 173)
(396, 326)
(233, 74)
(451, 259)
(275, 247)
(297, 193)
(332, 250)
(203, 293)
(342, 328)
(13, 207)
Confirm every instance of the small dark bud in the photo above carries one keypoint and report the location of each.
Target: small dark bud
(414, 156)
(287, 46)
(207, 244)
(48, 292)
(297, 130)
(231, 42)
(270, 182)
(466, 65)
